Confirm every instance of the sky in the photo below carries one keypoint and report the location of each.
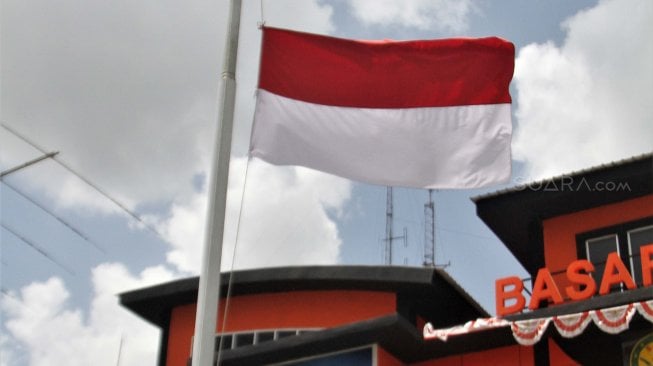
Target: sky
(126, 92)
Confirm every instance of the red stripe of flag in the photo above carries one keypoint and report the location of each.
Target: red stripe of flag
(387, 74)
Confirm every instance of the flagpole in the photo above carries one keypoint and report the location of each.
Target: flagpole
(208, 292)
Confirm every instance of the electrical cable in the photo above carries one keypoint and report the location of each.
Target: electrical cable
(122, 206)
(58, 218)
(36, 247)
(233, 259)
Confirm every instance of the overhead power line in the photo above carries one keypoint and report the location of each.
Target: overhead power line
(36, 247)
(123, 207)
(58, 218)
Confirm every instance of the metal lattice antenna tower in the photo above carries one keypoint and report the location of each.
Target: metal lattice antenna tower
(389, 238)
(429, 232)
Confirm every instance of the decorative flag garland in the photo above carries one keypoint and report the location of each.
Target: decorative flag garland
(572, 325)
(645, 309)
(528, 332)
(614, 320)
(469, 327)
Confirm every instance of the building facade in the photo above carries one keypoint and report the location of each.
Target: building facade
(380, 315)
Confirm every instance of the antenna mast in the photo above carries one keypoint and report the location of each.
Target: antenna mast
(429, 232)
(388, 227)
(389, 238)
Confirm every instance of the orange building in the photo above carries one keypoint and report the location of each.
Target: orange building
(563, 222)
(375, 315)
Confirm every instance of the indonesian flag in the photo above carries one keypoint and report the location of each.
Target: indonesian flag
(423, 114)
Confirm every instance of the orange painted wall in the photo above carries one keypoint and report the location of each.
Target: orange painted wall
(560, 232)
(504, 356)
(182, 326)
(306, 309)
(299, 309)
(383, 358)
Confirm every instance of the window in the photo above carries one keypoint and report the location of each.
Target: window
(228, 341)
(285, 333)
(597, 250)
(636, 239)
(264, 336)
(626, 239)
(244, 339)
(224, 341)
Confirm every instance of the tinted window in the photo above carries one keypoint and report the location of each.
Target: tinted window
(244, 339)
(285, 333)
(597, 253)
(223, 342)
(264, 336)
(636, 239)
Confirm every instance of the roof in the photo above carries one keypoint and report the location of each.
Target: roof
(429, 292)
(515, 214)
(392, 332)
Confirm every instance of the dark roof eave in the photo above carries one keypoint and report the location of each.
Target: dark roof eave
(515, 215)
(154, 303)
(395, 334)
(321, 342)
(463, 293)
(578, 173)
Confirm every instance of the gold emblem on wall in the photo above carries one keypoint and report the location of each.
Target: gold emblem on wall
(642, 353)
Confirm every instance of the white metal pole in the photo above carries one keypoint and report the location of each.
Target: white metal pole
(209, 287)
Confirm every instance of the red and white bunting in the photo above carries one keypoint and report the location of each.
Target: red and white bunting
(613, 320)
(528, 332)
(469, 327)
(645, 309)
(572, 325)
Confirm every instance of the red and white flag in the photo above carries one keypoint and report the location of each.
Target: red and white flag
(423, 114)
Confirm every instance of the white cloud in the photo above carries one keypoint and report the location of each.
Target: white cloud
(184, 231)
(276, 197)
(587, 101)
(444, 15)
(285, 219)
(45, 329)
(125, 91)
